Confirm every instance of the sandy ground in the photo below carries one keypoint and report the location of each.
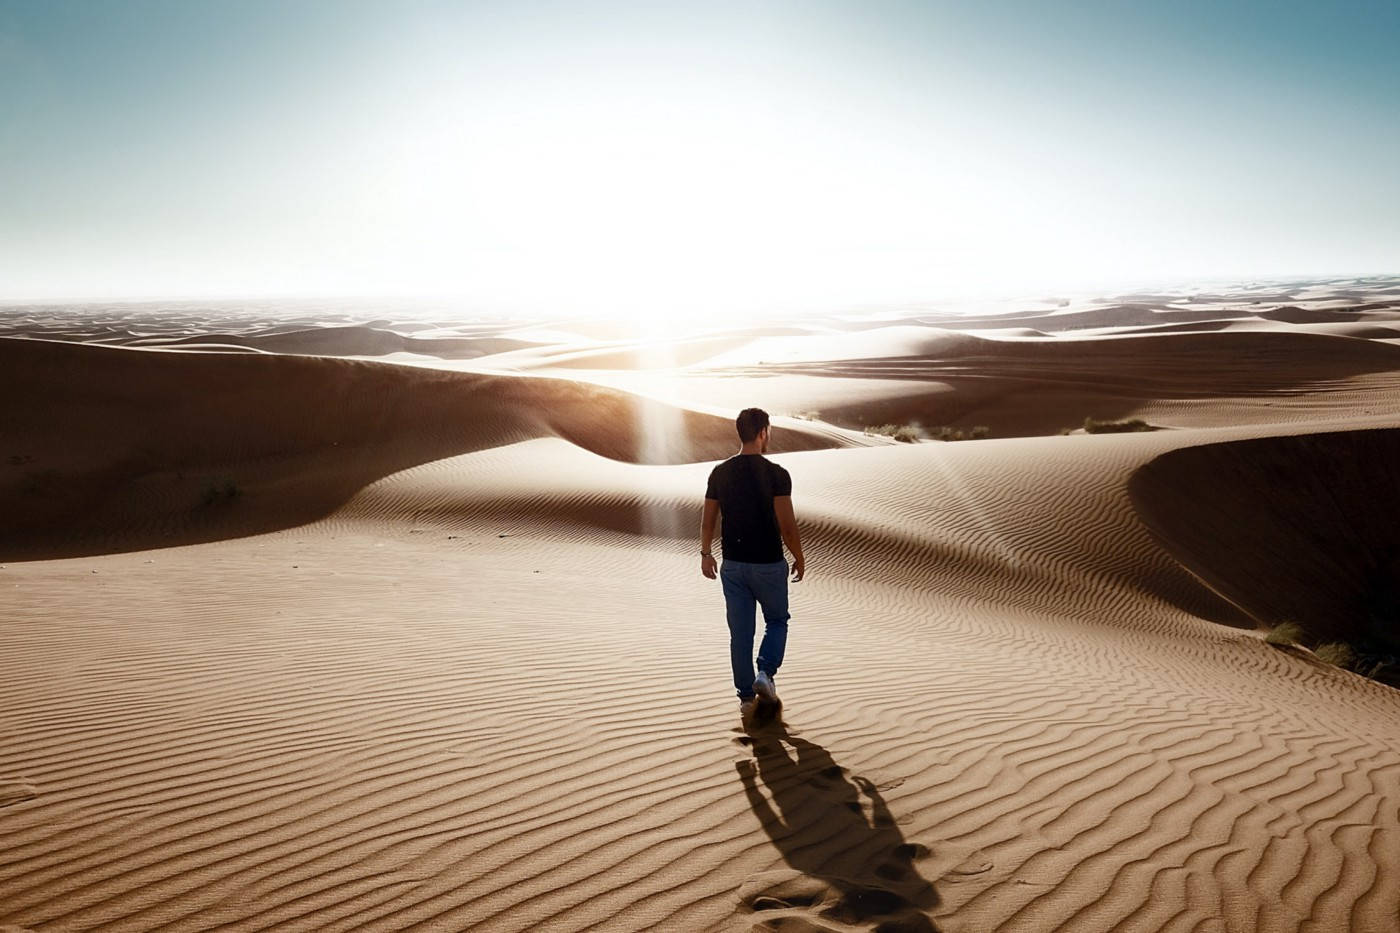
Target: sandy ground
(398, 624)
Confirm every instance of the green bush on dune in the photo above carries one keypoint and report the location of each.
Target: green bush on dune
(1336, 653)
(907, 434)
(1364, 657)
(900, 432)
(1094, 426)
(1285, 635)
(947, 433)
(910, 434)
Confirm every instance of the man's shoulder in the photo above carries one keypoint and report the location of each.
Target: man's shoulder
(724, 466)
(721, 471)
(782, 479)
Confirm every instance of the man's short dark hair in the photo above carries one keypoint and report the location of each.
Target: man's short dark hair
(750, 422)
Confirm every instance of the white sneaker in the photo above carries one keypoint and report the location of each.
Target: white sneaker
(763, 686)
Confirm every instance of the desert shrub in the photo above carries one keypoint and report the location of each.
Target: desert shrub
(1371, 669)
(1337, 653)
(910, 434)
(949, 433)
(219, 492)
(907, 434)
(807, 415)
(1284, 635)
(900, 432)
(1375, 660)
(1094, 426)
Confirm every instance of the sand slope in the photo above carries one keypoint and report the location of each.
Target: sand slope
(1290, 528)
(482, 685)
(120, 448)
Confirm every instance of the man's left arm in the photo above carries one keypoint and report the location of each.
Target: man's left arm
(787, 526)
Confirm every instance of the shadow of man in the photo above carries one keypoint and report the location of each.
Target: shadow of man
(859, 869)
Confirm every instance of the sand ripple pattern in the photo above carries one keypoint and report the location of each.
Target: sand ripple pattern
(482, 684)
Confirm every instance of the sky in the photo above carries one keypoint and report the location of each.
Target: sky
(684, 158)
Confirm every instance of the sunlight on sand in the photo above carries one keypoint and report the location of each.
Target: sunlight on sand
(977, 511)
(659, 424)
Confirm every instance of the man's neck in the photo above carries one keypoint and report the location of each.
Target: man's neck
(753, 448)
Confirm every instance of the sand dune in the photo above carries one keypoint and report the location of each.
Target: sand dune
(447, 663)
(126, 449)
(1289, 528)
(1292, 314)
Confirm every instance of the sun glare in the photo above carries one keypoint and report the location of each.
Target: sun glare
(614, 203)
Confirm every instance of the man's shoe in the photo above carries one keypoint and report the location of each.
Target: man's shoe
(763, 686)
(746, 706)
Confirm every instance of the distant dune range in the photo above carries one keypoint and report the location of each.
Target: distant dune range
(340, 341)
(302, 643)
(1036, 387)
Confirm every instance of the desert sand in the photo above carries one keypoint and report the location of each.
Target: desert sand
(324, 619)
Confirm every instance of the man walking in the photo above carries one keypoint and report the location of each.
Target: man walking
(754, 497)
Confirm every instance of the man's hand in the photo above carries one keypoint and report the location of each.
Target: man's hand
(707, 565)
(799, 567)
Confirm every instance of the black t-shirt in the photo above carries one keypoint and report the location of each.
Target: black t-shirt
(744, 486)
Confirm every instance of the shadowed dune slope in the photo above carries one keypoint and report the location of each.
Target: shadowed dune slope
(116, 449)
(1299, 528)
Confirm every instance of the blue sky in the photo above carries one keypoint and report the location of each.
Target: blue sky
(690, 156)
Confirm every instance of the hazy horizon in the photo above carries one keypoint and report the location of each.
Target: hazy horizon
(611, 158)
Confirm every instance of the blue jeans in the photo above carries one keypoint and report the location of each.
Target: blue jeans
(746, 586)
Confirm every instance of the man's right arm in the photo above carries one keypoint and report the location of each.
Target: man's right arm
(787, 526)
(707, 537)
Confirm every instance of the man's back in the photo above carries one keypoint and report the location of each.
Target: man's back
(744, 485)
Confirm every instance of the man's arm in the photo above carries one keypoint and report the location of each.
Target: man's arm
(787, 525)
(707, 537)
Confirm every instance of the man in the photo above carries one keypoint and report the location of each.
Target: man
(754, 496)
